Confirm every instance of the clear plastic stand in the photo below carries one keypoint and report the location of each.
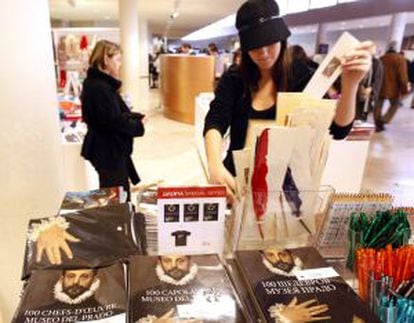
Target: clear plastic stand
(288, 219)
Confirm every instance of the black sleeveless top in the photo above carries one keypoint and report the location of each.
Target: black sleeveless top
(267, 114)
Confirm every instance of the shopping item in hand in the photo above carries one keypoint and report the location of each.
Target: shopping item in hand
(74, 295)
(98, 237)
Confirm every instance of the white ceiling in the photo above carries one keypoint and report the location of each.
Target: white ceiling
(194, 14)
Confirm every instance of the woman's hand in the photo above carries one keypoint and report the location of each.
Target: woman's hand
(357, 63)
(50, 241)
(300, 313)
(220, 175)
(354, 67)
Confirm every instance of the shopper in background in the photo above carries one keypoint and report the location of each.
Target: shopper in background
(153, 70)
(212, 49)
(394, 86)
(111, 125)
(298, 54)
(369, 89)
(251, 92)
(186, 49)
(218, 62)
(411, 79)
(236, 61)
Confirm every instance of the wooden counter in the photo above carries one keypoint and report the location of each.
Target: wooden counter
(183, 77)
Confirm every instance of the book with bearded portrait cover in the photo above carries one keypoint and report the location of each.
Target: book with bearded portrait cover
(74, 295)
(103, 236)
(272, 278)
(180, 287)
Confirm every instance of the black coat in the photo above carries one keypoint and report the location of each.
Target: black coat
(111, 125)
(411, 72)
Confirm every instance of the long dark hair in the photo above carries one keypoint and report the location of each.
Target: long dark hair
(298, 52)
(280, 71)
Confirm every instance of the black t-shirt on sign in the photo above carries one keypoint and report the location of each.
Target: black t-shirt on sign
(180, 238)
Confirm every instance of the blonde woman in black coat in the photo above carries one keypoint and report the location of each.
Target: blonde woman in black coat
(111, 125)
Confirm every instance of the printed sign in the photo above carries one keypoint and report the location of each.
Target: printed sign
(191, 219)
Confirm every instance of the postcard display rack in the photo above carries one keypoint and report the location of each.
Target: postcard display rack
(292, 219)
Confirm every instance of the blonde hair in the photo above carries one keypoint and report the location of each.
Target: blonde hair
(103, 48)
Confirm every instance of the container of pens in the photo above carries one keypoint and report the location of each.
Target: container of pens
(384, 277)
(396, 308)
(377, 232)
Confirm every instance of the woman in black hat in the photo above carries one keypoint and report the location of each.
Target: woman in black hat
(250, 92)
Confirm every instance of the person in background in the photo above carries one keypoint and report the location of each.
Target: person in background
(185, 49)
(251, 92)
(369, 89)
(411, 80)
(212, 49)
(236, 61)
(298, 53)
(301, 64)
(218, 62)
(111, 125)
(153, 70)
(394, 86)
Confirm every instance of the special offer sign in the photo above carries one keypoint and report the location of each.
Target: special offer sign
(191, 219)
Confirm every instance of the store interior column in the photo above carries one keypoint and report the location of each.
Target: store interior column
(128, 24)
(144, 50)
(321, 37)
(397, 28)
(30, 148)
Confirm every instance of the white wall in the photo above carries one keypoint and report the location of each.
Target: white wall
(307, 41)
(30, 148)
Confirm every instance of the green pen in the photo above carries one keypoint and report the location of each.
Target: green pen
(364, 225)
(352, 232)
(371, 227)
(382, 231)
(398, 230)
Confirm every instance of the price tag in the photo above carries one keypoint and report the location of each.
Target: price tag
(316, 273)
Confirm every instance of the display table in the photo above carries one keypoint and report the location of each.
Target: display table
(183, 77)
